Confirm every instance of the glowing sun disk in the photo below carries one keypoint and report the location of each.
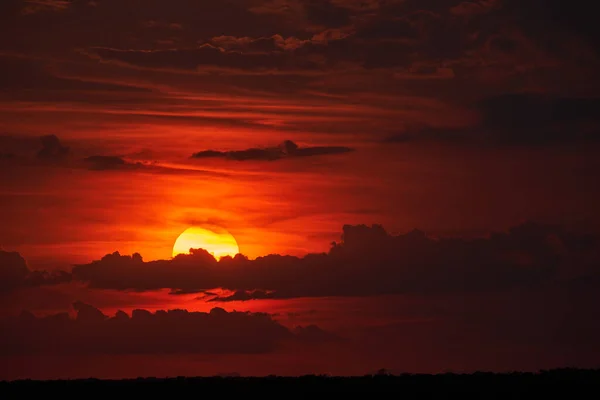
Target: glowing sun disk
(219, 244)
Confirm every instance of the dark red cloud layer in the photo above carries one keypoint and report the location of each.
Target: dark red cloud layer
(15, 274)
(162, 332)
(367, 262)
(458, 52)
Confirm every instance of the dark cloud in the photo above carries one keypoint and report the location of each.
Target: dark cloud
(27, 151)
(46, 148)
(129, 23)
(314, 334)
(34, 6)
(208, 56)
(264, 45)
(287, 149)
(521, 120)
(13, 270)
(51, 151)
(144, 332)
(436, 32)
(52, 148)
(15, 274)
(241, 295)
(470, 49)
(473, 8)
(103, 163)
(368, 261)
(433, 134)
(334, 37)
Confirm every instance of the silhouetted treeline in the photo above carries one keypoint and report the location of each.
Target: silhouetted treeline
(574, 383)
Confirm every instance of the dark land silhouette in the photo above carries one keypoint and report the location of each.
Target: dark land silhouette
(573, 383)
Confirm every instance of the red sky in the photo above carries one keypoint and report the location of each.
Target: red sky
(283, 121)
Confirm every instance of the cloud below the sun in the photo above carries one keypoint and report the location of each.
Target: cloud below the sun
(144, 332)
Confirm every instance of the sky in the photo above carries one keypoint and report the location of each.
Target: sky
(412, 186)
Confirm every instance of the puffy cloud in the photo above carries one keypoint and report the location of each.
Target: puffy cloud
(162, 332)
(368, 261)
(287, 149)
(14, 273)
(52, 148)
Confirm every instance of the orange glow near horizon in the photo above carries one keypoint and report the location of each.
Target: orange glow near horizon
(217, 242)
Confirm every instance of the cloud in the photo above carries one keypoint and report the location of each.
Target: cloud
(103, 163)
(34, 6)
(332, 37)
(314, 334)
(394, 35)
(48, 150)
(453, 51)
(524, 119)
(471, 8)
(287, 149)
(52, 148)
(367, 262)
(162, 332)
(258, 45)
(13, 270)
(15, 274)
(207, 57)
(163, 25)
(445, 34)
(242, 295)
(51, 151)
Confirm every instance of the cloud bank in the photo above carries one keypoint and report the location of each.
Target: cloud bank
(368, 261)
(286, 149)
(15, 274)
(144, 332)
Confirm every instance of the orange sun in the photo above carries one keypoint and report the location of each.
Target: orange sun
(216, 241)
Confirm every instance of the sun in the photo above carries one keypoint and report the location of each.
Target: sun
(216, 241)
